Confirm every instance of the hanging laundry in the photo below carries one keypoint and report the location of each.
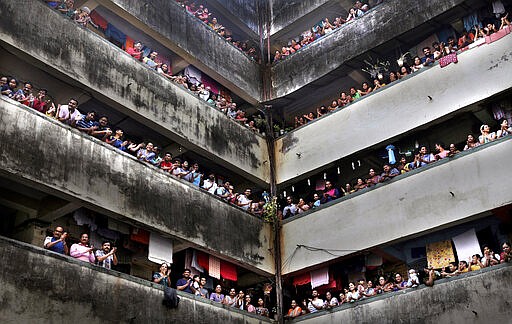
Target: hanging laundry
(202, 260)
(115, 34)
(319, 277)
(228, 271)
(447, 59)
(160, 249)
(466, 245)
(194, 263)
(214, 267)
(139, 235)
(302, 279)
(99, 20)
(440, 254)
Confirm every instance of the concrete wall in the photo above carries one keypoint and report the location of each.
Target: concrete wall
(115, 78)
(481, 73)
(247, 11)
(441, 194)
(39, 286)
(54, 158)
(476, 297)
(391, 19)
(287, 12)
(188, 37)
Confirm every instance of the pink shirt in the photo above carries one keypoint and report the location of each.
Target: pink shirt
(80, 252)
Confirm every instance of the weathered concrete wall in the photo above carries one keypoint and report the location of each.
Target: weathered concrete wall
(62, 161)
(118, 80)
(247, 11)
(475, 297)
(391, 19)
(402, 106)
(287, 12)
(449, 191)
(39, 286)
(187, 36)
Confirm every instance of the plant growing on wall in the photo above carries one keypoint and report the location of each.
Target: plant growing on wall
(270, 210)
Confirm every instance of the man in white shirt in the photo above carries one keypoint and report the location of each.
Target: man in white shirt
(69, 114)
(209, 184)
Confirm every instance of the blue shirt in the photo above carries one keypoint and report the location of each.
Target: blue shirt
(184, 281)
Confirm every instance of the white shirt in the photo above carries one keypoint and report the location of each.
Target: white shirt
(209, 185)
(69, 117)
(318, 303)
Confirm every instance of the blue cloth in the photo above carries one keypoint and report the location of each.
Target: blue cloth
(115, 34)
(182, 282)
(391, 154)
(59, 247)
(84, 123)
(470, 21)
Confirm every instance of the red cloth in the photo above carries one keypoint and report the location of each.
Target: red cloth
(209, 82)
(302, 279)
(228, 271)
(140, 235)
(98, 20)
(329, 287)
(202, 260)
(450, 58)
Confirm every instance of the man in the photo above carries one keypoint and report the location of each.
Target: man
(157, 159)
(106, 256)
(223, 191)
(23, 95)
(209, 184)
(195, 175)
(428, 59)
(373, 178)
(316, 200)
(203, 292)
(243, 200)
(185, 283)
(82, 251)
(69, 114)
(389, 173)
(425, 157)
(330, 193)
(150, 60)
(453, 150)
(57, 242)
(315, 304)
(87, 124)
(135, 51)
(166, 164)
(40, 102)
(291, 209)
(102, 130)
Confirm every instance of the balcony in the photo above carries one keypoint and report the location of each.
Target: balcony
(391, 19)
(188, 37)
(450, 191)
(49, 287)
(59, 160)
(464, 299)
(382, 116)
(82, 58)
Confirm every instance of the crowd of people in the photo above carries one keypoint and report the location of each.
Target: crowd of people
(202, 13)
(221, 100)
(323, 28)
(98, 127)
(362, 289)
(390, 171)
(105, 257)
(196, 285)
(437, 52)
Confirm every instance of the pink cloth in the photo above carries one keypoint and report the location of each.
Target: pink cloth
(214, 267)
(79, 252)
(450, 58)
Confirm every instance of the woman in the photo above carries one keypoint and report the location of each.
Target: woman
(404, 71)
(506, 254)
(417, 64)
(295, 310)
(366, 89)
(333, 106)
(302, 206)
(344, 99)
(330, 301)
(504, 130)
(162, 277)
(240, 300)
(377, 84)
(489, 258)
(217, 295)
(360, 185)
(164, 70)
(248, 306)
(261, 309)
(471, 143)
(9, 89)
(486, 136)
(353, 294)
(309, 117)
(392, 76)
